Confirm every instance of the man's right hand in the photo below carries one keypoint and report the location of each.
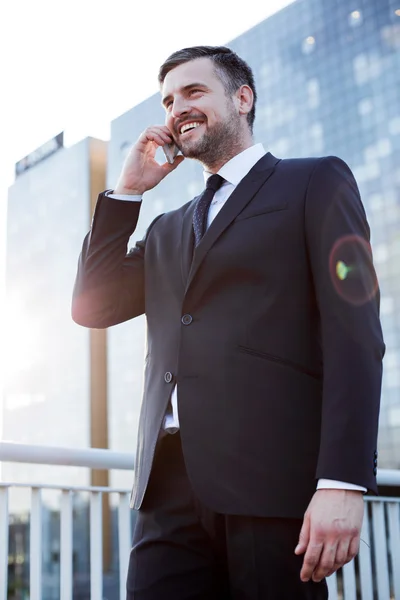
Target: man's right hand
(141, 172)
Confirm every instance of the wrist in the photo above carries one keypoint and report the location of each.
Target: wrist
(127, 191)
(342, 491)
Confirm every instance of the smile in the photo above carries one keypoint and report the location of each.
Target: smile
(189, 127)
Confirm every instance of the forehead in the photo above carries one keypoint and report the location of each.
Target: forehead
(200, 70)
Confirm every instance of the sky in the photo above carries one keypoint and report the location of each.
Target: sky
(75, 65)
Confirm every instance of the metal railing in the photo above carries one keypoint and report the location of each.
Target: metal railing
(373, 575)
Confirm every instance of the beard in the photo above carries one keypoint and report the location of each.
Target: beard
(218, 143)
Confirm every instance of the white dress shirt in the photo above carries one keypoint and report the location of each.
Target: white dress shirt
(233, 172)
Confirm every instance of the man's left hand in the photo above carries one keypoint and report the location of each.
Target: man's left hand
(330, 535)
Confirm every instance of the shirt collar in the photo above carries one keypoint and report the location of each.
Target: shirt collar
(237, 167)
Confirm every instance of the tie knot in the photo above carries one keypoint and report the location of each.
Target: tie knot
(214, 182)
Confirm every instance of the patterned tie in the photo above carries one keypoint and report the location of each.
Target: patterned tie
(199, 216)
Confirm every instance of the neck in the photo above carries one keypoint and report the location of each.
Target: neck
(225, 145)
(234, 150)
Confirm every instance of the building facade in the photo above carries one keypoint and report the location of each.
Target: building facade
(54, 368)
(328, 79)
(55, 391)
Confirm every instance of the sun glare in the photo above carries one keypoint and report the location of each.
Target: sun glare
(21, 343)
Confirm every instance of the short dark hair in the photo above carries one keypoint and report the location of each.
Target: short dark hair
(231, 69)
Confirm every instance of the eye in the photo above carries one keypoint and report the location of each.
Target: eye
(194, 92)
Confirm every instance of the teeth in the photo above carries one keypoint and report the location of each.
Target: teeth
(189, 126)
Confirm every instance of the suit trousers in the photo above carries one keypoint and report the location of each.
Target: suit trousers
(183, 550)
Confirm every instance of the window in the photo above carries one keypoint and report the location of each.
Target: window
(394, 416)
(381, 254)
(365, 106)
(360, 67)
(394, 126)
(355, 18)
(308, 45)
(387, 306)
(313, 91)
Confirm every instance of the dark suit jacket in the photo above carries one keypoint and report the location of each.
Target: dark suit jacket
(277, 356)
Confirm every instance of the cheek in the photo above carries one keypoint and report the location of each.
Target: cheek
(212, 118)
(168, 121)
(203, 111)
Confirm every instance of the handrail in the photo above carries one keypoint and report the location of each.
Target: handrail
(388, 477)
(94, 458)
(100, 458)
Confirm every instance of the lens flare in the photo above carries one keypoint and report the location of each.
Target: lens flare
(352, 271)
(342, 270)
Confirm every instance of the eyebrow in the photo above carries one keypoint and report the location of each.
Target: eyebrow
(185, 88)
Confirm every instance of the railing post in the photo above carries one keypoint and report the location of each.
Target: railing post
(66, 546)
(36, 546)
(393, 509)
(364, 559)
(124, 541)
(381, 560)
(332, 587)
(96, 547)
(4, 534)
(349, 582)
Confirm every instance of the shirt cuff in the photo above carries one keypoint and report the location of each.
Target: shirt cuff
(124, 197)
(332, 484)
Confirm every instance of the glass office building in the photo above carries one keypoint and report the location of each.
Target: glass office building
(328, 79)
(48, 377)
(55, 372)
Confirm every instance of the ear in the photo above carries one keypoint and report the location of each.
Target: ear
(244, 99)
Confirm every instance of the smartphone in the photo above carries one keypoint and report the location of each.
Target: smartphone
(170, 151)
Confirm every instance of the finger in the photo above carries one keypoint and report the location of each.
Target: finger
(158, 129)
(326, 563)
(342, 553)
(311, 559)
(162, 128)
(304, 537)
(155, 135)
(163, 132)
(331, 572)
(353, 549)
(345, 552)
(157, 138)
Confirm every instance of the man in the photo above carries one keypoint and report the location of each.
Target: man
(258, 428)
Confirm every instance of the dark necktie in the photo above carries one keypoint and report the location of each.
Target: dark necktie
(199, 216)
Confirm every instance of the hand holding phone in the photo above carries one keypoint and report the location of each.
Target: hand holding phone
(141, 172)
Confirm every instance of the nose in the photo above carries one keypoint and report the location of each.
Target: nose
(179, 108)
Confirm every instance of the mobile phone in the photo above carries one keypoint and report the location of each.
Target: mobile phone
(170, 151)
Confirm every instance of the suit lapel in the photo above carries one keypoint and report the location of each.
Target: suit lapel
(239, 198)
(187, 241)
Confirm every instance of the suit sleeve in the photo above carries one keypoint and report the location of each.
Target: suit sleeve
(347, 296)
(109, 286)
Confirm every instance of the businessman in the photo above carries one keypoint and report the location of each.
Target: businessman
(258, 428)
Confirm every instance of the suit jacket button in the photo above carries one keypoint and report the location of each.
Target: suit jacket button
(168, 377)
(187, 319)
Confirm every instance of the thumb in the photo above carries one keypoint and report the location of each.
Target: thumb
(177, 161)
(304, 537)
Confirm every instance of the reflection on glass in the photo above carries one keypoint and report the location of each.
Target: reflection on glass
(355, 18)
(308, 45)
